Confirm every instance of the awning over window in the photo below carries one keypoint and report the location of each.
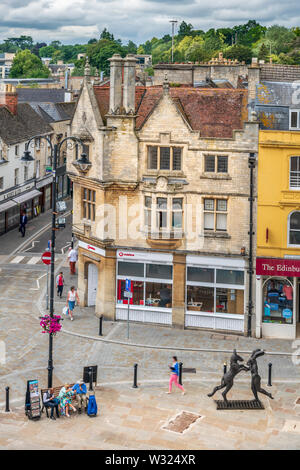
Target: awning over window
(27, 196)
(4, 206)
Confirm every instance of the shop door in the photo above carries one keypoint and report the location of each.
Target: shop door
(92, 284)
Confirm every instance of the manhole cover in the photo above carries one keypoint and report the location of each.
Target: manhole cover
(181, 422)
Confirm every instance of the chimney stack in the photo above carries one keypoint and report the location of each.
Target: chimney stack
(9, 98)
(129, 84)
(115, 94)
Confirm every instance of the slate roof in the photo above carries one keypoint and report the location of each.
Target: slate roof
(276, 94)
(213, 112)
(40, 95)
(54, 112)
(22, 126)
(280, 73)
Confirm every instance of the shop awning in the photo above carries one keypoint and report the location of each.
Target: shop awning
(27, 196)
(4, 206)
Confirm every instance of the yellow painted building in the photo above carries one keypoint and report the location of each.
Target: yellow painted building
(278, 235)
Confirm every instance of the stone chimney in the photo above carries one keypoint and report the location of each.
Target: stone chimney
(9, 98)
(129, 84)
(115, 94)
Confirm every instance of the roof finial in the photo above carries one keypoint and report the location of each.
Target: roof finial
(97, 78)
(166, 84)
(87, 69)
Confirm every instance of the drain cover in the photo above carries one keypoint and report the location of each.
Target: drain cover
(239, 405)
(181, 422)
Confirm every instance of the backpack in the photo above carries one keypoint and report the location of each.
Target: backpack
(92, 406)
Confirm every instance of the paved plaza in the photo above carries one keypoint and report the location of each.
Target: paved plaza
(131, 418)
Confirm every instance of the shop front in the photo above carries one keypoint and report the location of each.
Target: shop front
(277, 297)
(45, 186)
(215, 293)
(151, 276)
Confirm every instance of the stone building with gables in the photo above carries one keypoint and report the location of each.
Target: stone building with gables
(165, 202)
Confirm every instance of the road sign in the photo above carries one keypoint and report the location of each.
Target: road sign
(128, 284)
(128, 294)
(46, 257)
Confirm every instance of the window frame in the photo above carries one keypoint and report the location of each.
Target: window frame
(298, 120)
(294, 188)
(155, 216)
(216, 159)
(215, 212)
(158, 158)
(88, 206)
(292, 245)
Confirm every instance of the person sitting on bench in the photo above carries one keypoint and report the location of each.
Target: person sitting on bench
(51, 402)
(80, 389)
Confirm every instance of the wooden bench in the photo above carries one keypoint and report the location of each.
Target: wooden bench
(56, 391)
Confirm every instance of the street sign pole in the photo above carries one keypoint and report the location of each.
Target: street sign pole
(46, 258)
(47, 294)
(128, 294)
(128, 300)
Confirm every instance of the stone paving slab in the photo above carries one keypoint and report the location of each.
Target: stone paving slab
(134, 419)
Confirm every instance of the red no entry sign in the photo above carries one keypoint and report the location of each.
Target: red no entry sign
(46, 257)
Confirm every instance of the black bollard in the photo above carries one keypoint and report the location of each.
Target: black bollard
(100, 325)
(180, 374)
(270, 375)
(225, 368)
(90, 379)
(7, 400)
(135, 376)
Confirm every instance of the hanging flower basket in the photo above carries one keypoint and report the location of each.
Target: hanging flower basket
(51, 325)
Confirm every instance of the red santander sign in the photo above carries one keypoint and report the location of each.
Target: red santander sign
(278, 267)
(46, 257)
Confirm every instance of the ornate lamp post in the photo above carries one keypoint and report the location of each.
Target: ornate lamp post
(55, 154)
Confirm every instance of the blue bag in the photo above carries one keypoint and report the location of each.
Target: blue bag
(92, 406)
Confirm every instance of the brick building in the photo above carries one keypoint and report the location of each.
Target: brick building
(165, 202)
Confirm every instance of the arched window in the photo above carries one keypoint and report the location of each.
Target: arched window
(294, 228)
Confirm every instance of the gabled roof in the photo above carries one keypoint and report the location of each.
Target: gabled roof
(214, 112)
(22, 126)
(54, 112)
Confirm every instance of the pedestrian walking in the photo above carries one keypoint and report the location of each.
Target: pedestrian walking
(60, 283)
(174, 376)
(23, 222)
(71, 300)
(72, 256)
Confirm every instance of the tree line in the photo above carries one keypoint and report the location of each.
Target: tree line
(241, 42)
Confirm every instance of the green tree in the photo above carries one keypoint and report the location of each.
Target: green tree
(22, 42)
(131, 47)
(106, 35)
(238, 52)
(185, 29)
(264, 52)
(100, 52)
(27, 65)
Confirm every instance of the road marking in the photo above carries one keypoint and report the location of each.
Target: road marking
(17, 259)
(34, 260)
(37, 282)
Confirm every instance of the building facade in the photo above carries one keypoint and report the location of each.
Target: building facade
(278, 239)
(165, 202)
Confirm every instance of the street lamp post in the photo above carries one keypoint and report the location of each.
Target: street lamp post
(251, 164)
(55, 154)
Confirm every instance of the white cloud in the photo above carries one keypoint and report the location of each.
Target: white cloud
(73, 21)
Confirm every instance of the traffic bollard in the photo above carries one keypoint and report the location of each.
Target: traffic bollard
(135, 376)
(225, 367)
(91, 380)
(270, 375)
(100, 325)
(180, 373)
(7, 400)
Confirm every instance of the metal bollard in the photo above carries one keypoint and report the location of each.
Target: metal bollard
(180, 374)
(135, 376)
(90, 380)
(7, 400)
(100, 325)
(225, 367)
(270, 375)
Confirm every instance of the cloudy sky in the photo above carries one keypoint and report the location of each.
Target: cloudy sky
(72, 21)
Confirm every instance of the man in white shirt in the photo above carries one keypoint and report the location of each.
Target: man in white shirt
(72, 256)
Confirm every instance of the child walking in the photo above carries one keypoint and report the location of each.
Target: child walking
(174, 376)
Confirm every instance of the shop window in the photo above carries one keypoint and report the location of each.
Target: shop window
(278, 301)
(215, 215)
(230, 277)
(159, 271)
(294, 228)
(88, 204)
(216, 164)
(158, 295)
(200, 298)
(200, 274)
(229, 301)
(137, 289)
(295, 172)
(130, 269)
